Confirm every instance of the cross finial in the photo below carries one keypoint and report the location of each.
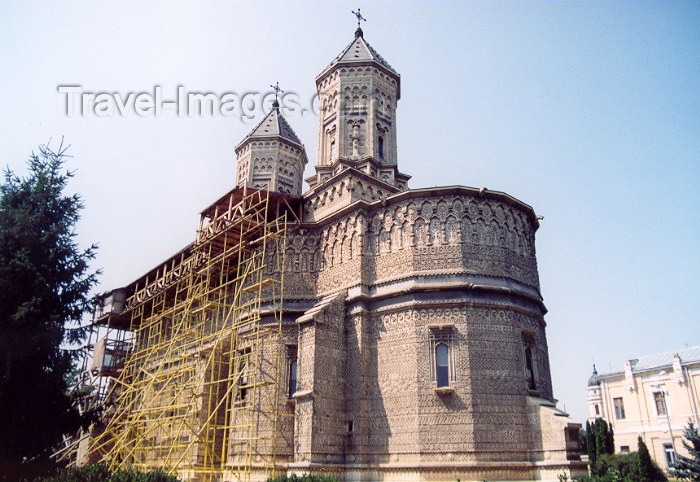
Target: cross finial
(277, 90)
(359, 17)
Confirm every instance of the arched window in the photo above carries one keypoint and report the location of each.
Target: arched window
(442, 367)
(292, 377)
(529, 369)
(381, 147)
(597, 410)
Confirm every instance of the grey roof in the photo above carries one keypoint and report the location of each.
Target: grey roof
(594, 379)
(661, 360)
(360, 51)
(274, 124)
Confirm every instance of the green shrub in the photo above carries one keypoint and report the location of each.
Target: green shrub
(303, 478)
(631, 467)
(100, 473)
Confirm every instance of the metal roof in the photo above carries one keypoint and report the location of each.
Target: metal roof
(359, 51)
(661, 360)
(274, 124)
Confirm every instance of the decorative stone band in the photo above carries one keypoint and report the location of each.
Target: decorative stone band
(447, 229)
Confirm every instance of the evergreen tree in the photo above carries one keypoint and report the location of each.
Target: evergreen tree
(45, 282)
(689, 467)
(583, 440)
(591, 445)
(609, 440)
(600, 441)
(648, 470)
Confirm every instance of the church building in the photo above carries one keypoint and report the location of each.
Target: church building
(415, 314)
(413, 333)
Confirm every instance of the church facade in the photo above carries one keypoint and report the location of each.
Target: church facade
(413, 321)
(413, 336)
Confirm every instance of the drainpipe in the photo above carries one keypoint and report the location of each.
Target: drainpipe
(691, 389)
(662, 389)
(603, 401)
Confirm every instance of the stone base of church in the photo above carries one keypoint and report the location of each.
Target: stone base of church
(495, 471)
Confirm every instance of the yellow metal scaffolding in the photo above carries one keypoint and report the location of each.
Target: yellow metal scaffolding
(199, 393)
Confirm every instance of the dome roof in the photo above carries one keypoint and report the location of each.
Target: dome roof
(594, 380)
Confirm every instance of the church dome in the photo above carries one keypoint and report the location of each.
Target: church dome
(594, 380)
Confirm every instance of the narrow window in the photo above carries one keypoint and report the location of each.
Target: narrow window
(660, 403)
(244, 375)
(332, 150)
(529, 369)
(670, 455)
(619, 408)
(381, 147)
(443, 352)
(597, 410)
(442, 368)
(292, 377)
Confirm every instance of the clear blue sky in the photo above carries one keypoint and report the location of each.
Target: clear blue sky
(588, 111)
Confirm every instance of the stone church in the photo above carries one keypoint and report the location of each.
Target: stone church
(413, 317)
(413, 326)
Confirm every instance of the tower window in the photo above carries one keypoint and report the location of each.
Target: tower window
(381, 147)
(442, 352)
(244, 369)
(292, 377)
(530, 364)
(332, 156)
(530, 369)
(442, 366)
(597, 410)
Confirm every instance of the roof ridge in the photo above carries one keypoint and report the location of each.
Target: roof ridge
(374, 52)
(287, 126)
(343, 52)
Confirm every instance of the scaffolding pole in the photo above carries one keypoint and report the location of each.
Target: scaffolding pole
(199, 392)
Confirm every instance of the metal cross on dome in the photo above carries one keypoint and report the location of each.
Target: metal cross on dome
(277, 89)
(359, 17)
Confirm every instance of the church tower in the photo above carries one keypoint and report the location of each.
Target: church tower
(358, 93)
(271, 157)
(595, 397)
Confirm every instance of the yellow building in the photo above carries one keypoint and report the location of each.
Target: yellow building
(653, 397)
